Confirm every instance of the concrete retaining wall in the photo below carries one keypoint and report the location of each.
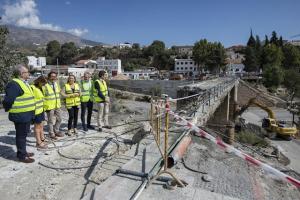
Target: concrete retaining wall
(148, 86)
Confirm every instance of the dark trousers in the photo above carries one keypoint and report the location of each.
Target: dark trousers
(73, 117)
(89, 106)
(22, 129)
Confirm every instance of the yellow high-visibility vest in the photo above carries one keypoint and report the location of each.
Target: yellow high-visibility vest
(72, 101)
(103, 89)
(86, 91)
(39, 100)
(24, 103)
(52, 99)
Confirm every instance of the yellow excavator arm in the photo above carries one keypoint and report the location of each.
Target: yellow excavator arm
(253, 101)
(264, 107)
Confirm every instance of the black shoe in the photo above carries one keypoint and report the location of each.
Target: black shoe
(100, 130)
(108, 127)
(90, 127)
(84, 128)
(30, 154)
(27, 160)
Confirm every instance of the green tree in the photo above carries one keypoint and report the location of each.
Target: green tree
(267, 42)
(209, 55)
(273, 75)
(250, 62)
(136, 46)
(280, 41)
(163, 61)
(251, 41)
(217, 57)
(274, 38)
(67, 53)
(201, 53)
(53, 49)
(157, 47)
(258, 51)
(291, 56)
(292, 82)
(86, 53)
(8, 59)
(272, 55)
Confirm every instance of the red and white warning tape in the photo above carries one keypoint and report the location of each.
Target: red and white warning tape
(231, 149)
(187, 97)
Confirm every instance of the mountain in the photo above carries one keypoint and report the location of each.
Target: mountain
(25, 37)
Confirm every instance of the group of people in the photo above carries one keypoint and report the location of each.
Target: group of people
(29, 104)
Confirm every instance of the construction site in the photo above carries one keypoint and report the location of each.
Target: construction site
(214, 139)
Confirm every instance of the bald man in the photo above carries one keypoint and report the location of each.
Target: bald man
(19, 102)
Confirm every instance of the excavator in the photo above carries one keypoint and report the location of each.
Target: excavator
(270, 124)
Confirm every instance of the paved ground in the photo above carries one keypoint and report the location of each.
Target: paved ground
(231, 178)
(72, 167)
(290, 148)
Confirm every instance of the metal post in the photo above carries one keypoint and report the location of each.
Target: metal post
(158, 125)
(57, 68)
(166, 141)
(151, 113)
(165, 153)
(209, 98)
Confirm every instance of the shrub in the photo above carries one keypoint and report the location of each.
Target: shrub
(251, 138)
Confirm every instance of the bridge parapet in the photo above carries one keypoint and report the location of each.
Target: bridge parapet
(201, 100)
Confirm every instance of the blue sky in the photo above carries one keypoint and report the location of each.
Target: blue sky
(176, 22)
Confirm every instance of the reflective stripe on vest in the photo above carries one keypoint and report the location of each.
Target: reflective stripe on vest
(103, 89)
(72, 101)
(24, 103)
(86, 91)
(39, 100)
(51, 100)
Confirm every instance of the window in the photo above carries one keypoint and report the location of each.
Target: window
(181, 68)
(191, 63)
(186, 68)
(177, 68)
(182, 63)
(191, 68)
(186, 63)
(177, 63)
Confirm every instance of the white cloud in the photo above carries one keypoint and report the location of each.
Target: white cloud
(78, 31)
(67, 2)
(24, 13)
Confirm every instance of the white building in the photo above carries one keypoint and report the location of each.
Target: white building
(141, 75)
(79, 72)
(36, 63)
(184, 50)
(125, 45)
(237, 69)
(295, 42)
(186, 67)
(112, 66)
(91, 64)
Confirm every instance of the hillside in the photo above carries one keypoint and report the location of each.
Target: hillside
(25, 37)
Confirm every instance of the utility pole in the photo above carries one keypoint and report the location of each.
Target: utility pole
(57, 67)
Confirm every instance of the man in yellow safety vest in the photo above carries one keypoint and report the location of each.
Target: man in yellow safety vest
(86, 86)
(101, 99)
(52, 105)
(19, 102)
